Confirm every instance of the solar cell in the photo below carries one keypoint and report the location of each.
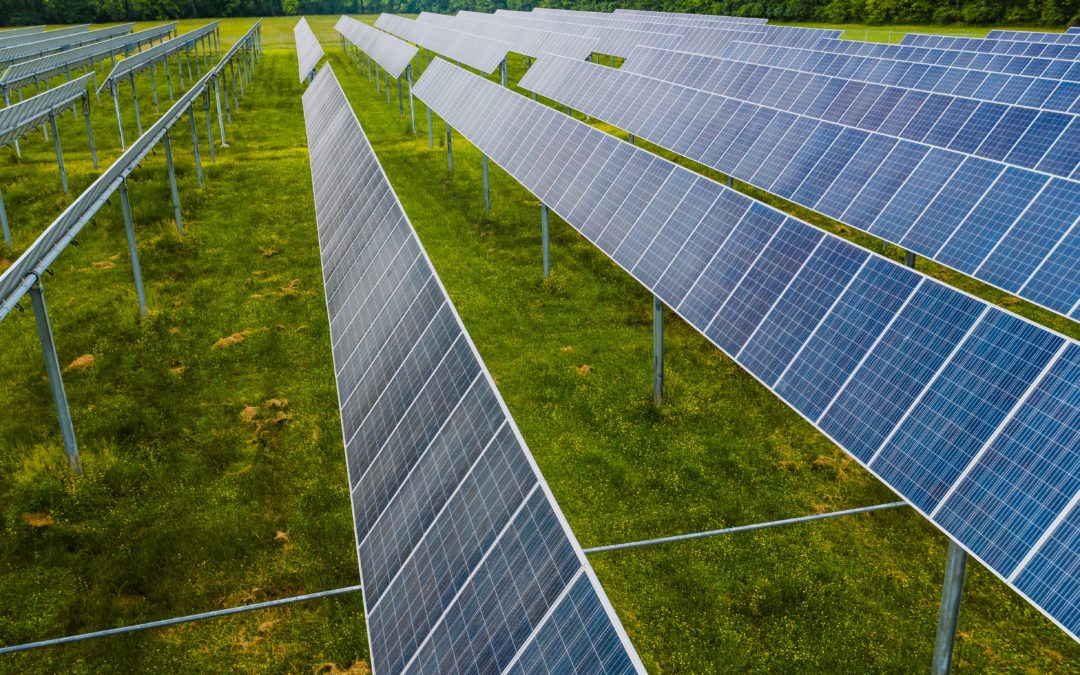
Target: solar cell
(466, 561)
(954, 378)
(1001, 224)
(308, 50)
(524, 40)
(20, 118)
(389, 52)
(1017, 89)
(484, 54)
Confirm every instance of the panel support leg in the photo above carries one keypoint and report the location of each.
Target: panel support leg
(951, 593)
(909, 259)
(153, 87)
(172, 183)
(503, 76)
(89, 130)
(487, 188)
(119, 122)
(430, 132)
(730, 182)
(658, 351)
(209, 123)
(135, 98)
(4, 224)
(133, 249)
(631, 139)
(195, 144)
(7, 103)
(387, 75)
(56, 382)
(412, 108)
(545, 238)
(59, 154)
(217, 100)
(449, 149)
(168, 79)
(400, 101)
(378, 80)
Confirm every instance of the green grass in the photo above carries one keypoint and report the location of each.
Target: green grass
(183, 497)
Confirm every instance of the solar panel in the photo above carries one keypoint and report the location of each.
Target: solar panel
(32, 50)
(524, 40)
(1035, 92)
(679, 16)
(610, 21)
(474, 51)
(613, 41)
(1029, 36)
(147, 57)
(28, 72)
(1073, 30)
(20, 118)
(927, 387)
(1008, 227)
(1070, 52)
(466, 561)
(308, 50)
(11, 38)
(652, 17)
(998, 63)
(709, 40)
(389, 52)
(1047, 141)
(7, 32)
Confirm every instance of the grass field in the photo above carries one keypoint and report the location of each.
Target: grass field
(214, 476)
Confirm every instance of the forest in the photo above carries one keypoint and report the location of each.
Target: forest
(1049, 13)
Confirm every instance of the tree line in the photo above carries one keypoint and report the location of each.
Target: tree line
(1054, 13)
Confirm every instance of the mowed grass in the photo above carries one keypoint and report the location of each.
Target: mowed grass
(214, 477)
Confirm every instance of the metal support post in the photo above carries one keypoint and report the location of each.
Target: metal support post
(56, 382)
(133, 249)
(209, 123)
(119, 122)
(412, 109)
(7, 102)
(4, 223)
(187, 59)
(153, 87)
(545, 237)
(387, 75)
(487, 189)
(59, 154)
(951, 593)
(449, 149)
(195, 144)
(135, 98)
(503, 77)
(430, 133)
(612, 60)
(400, 100)
(909, 259)
(631, 138)
(236, 101)
(658, 351)
(241, 69)
(378, 80)
(172, 183)
(89, 130)
(168, 79)
(730, 182)
(180, 70)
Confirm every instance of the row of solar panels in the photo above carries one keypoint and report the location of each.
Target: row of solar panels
(974, 184)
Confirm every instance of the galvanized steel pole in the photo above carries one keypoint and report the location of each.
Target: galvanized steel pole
(89, 130)
(412, 109)
(449, 149)
(487, 192)
(195, 143)
(59, 154)
(951, 593)
(133, 249)
(172, 184)
(658, 351)
(545, 237)
(4, 223)
(119, 122)
(56, 382)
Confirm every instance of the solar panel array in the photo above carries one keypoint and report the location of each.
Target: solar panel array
(474, 51)
(1068, 52)
(1044, 140)
(677, 16)
(999, 63)
(28, 72)
(308, 50)
(16, 37)
(20, 118)
(28, 268)
(524, 40)
(969, 412)
(25, 30)
(147, 57)
(1010, 227)
(32, 50)
(613, 41)
(389, 52)
(467, 563)
(709, 40)
(1035, 92)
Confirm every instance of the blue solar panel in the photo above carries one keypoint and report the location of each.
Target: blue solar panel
(917, 378)
(990, 46)
(466, 562)
(973, 214)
